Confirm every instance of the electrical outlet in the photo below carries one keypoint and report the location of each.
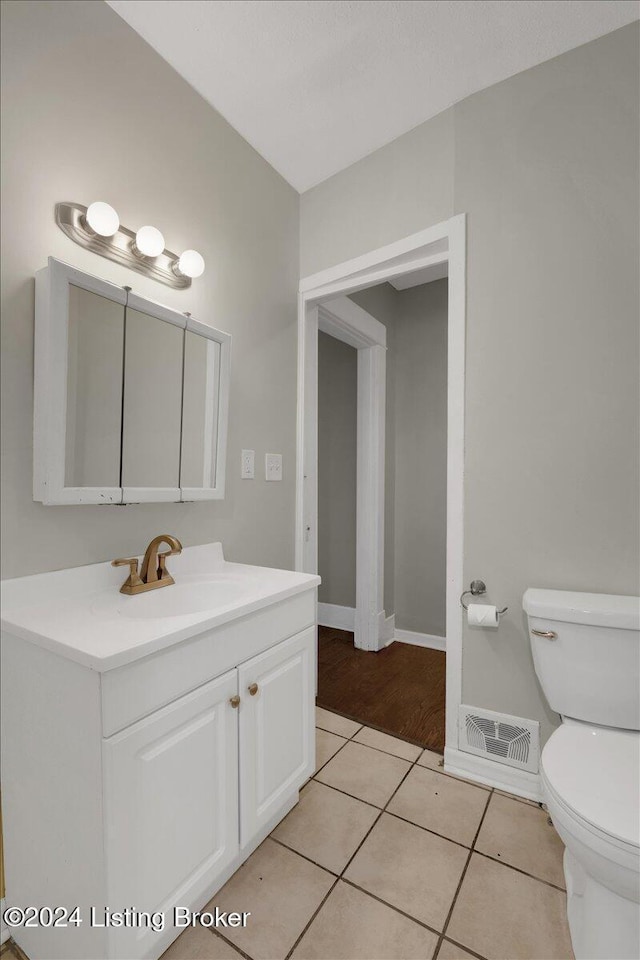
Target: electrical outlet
(247, 467)
(273, 466)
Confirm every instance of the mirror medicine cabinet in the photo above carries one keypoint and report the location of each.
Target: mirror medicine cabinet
(130, 398)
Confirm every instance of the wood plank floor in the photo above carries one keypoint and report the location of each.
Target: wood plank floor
(400, 689)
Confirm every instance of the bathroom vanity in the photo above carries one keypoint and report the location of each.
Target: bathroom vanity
(150, 742)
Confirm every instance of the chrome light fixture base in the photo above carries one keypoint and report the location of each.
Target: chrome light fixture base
(120, 248)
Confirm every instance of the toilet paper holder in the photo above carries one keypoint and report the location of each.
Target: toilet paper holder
(476, 589)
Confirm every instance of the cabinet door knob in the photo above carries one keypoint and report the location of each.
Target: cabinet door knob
(253, 689)
(235, 701)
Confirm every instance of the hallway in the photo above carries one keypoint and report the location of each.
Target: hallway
(400, 690)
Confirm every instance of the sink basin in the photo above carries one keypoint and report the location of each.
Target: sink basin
(176, 600)
(80, 613)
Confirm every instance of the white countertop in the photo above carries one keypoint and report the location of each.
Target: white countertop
(80, 614)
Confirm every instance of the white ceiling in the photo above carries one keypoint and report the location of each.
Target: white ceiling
(314, 85)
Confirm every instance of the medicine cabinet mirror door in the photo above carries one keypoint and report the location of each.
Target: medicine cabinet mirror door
(130, 397)
(152, 402)
(95, 337)
(204, 412)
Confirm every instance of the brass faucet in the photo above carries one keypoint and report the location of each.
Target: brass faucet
(154, 572)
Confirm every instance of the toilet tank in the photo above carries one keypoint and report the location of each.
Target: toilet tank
(586, 652)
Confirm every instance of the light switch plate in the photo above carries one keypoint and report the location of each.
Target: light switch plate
(273, 466)
(247, 465)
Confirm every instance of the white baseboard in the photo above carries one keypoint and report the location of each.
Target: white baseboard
(387, 629)
(333, 615)
(493, 774)
(421, 639)
(344, 618)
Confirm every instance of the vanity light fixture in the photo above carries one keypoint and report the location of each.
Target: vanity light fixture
(149, 242)
(190, 264)
(102, 219)
(98, 228)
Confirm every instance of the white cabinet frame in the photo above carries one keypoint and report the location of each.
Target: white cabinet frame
(50, 392)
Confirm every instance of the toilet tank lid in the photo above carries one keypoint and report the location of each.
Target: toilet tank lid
(595, 609)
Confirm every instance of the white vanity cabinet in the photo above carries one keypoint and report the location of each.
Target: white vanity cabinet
(146, 785)
(171, 806)
(174, 783)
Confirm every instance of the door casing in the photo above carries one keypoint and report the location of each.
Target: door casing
(322, 295)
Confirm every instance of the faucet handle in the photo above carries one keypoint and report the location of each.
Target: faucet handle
(134, 577)
(176, 547)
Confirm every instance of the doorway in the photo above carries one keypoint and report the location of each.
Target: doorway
(431, 253)
(401, 689)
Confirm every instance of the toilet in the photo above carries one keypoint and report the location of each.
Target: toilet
(586, 652)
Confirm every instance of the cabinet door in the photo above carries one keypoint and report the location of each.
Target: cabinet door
(171, 807)
(277, 745)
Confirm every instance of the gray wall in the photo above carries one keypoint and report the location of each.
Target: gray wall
(547, 168)
(393, 192)
(337, 450)
(545, 165)
(90, 112)
(420, 554)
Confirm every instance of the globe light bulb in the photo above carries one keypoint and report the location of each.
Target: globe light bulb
(149, 242)
(190, 264)
(102, 219)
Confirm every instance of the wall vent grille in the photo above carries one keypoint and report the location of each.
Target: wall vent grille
(498, 736)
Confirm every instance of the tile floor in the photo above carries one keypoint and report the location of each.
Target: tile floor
(386, 857)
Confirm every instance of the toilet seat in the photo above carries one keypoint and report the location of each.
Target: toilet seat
(589, 780)
(593, 774)
(594, 771)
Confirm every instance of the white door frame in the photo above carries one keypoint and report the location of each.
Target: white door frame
(343, 319)
(430, 248)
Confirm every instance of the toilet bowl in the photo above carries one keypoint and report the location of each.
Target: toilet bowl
(586, 650)
(590, 786)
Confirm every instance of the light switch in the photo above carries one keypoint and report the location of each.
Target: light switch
(247, 469)
(273, 466)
